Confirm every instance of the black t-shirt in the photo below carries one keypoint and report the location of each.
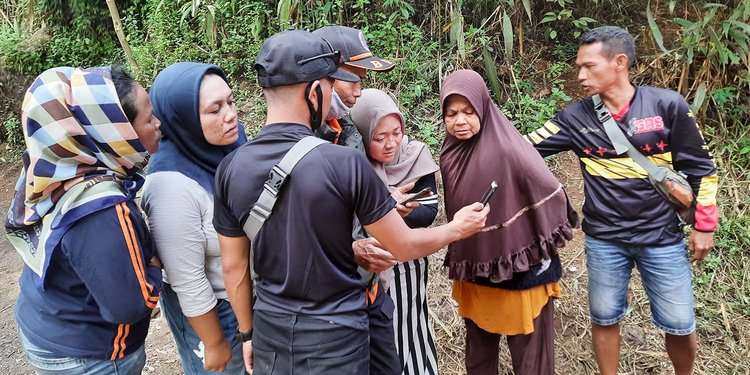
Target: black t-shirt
(303, 255)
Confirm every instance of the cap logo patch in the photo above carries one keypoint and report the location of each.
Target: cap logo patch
(376, 64)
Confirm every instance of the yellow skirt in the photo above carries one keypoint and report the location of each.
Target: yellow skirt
(503, 311)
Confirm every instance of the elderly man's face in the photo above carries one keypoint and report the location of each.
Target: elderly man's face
(348, 92)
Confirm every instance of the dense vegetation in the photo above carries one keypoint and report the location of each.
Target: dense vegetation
(525, 50)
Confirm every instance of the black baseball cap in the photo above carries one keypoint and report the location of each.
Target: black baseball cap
(296, 56)
(353, 46)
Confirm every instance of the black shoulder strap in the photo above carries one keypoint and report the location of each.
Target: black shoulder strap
(278, 176)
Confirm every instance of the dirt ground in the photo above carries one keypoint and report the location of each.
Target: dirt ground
(642, 351)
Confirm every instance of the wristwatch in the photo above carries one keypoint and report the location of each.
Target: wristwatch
(244, 336)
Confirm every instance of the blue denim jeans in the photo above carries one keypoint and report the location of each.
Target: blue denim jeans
(45, 362)
(665, 272)
(187, 340)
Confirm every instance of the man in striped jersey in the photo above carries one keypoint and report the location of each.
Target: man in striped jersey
(626, 221)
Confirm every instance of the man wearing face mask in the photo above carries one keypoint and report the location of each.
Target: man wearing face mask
(339, 129)
(357, 59)
(310, 311)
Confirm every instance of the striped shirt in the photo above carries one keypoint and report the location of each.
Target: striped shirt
(620, 203)
(407, 281)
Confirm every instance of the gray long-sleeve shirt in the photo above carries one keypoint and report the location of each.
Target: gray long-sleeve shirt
(180, 214)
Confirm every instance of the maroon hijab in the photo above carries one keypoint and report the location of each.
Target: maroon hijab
(530, 217)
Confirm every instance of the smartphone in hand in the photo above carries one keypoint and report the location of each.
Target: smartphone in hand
(426, 192)
(489, 193)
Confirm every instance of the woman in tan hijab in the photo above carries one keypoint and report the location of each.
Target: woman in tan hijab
(505, 278)
(406, 167)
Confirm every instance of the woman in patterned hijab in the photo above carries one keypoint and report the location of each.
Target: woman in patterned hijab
(90, 279)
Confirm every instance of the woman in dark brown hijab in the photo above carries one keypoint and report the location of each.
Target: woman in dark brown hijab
(505, 278)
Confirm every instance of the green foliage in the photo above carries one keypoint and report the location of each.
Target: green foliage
(507, 37)
(721, 282)
(17, 54)
(655, 31)
(51, 33)
(563, 18)
(528, 109)
(457, 36)
(227, 33)
(733, 237)
(728, 116)
(204, 15)
(427, 40)
(325, 13)
(717, 43)
(414, 79)
(11, 132)
(721, 35)
(284, 10)
(68, 47)
(403, 7)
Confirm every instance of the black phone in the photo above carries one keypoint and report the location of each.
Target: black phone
(426, 192)
(489, 193)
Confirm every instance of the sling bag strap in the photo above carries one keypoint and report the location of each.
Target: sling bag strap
(669, 184)
(619, 140)
(278, 176)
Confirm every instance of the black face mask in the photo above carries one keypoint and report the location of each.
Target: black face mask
(316, 116)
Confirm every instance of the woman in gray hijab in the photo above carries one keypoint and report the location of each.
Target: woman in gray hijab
(406, 167)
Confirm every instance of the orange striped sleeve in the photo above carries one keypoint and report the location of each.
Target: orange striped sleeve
(134, 251)
(136, 246)
(116, 343)
(122, 342)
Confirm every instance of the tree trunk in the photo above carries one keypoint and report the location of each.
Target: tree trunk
(121, 36)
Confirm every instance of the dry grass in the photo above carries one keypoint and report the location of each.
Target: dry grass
(724, 334)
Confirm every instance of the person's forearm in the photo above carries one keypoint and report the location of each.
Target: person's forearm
(407, 244)
(240, 289)
(235, 255)
(421, 242)
(208, 328)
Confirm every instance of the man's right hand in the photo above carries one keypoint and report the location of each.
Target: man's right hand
(470, 219)
(247, 356)
(370, 255)
(217, 356)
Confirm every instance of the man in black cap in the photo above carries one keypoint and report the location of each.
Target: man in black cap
(357, 59)
(310, 314)
(339, 129)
